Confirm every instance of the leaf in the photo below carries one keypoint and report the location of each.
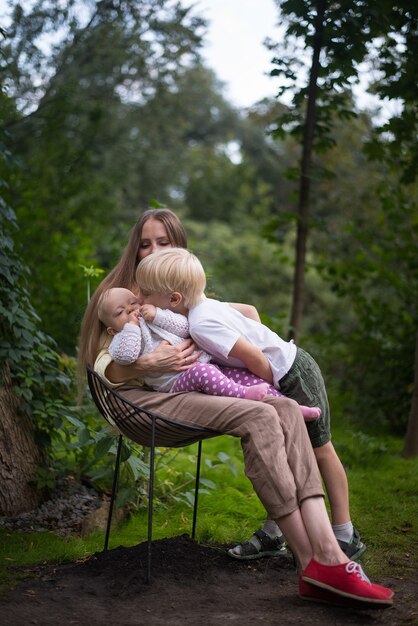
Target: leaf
(103, 446)
(208, 483)
(138, 467)
(83, 436)
(75, 421)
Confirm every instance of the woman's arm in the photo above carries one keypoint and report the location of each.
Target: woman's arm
(248, 310)
(253, 359)
(165, 358)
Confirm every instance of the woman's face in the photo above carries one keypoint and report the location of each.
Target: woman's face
(153, 238)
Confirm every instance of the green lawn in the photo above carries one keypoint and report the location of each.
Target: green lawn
(384, 506)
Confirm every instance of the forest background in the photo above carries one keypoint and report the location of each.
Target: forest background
(107, 109)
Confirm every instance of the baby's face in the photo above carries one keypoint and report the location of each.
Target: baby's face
(118, 305)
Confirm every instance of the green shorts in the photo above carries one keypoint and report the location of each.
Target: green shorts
(305, 384)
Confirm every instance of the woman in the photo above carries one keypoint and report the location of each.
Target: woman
(156, 229)
(278, 456)
(159, 229)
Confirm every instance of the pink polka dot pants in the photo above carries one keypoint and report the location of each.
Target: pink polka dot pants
(217, 380)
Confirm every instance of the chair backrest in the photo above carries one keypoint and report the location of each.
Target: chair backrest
(136, 422)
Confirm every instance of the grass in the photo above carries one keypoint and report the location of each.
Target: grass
(383, 492)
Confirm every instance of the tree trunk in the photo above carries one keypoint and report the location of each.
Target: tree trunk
(304, 182)
(19, 455)
(411, 438)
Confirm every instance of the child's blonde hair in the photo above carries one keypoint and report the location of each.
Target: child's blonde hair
(175, 269)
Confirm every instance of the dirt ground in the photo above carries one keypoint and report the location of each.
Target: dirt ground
(192, 584)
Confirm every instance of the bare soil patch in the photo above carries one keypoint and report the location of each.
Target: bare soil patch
(193, 584)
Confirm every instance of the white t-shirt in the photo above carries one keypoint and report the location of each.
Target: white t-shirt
(216, 327)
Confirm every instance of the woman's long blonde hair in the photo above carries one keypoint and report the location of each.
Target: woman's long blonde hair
(93, 336)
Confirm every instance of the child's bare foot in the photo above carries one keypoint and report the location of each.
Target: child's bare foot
(257, 392)
(310, 413)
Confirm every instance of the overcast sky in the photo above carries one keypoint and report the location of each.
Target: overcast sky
(235, 48)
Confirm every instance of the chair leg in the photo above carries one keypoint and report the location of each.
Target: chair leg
(150, 501)
(196, 489)
(114, 487)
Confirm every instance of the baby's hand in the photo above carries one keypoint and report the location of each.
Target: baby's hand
(148, 312)
(133, 317)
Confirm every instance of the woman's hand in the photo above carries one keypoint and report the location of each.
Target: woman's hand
(165, 358)
(168, 358)
(248, 310)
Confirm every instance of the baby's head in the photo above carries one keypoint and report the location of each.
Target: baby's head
(174, 270)
(114, 308)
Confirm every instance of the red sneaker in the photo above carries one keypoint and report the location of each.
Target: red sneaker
(316, 594)
(347, 580)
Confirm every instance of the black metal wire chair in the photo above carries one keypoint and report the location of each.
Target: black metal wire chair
(150, 430)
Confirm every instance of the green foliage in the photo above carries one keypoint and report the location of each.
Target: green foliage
(231, 252)
(221, 190)
(396, 63)
(85, 447)
(362, 450)
(378, 33)
(379, 278)
(89, 273)
(343, 44)
(177, 484)
(27, 354)
(45, 478)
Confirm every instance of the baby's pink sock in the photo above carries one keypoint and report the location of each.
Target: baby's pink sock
(310, 413)
(257, 392)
